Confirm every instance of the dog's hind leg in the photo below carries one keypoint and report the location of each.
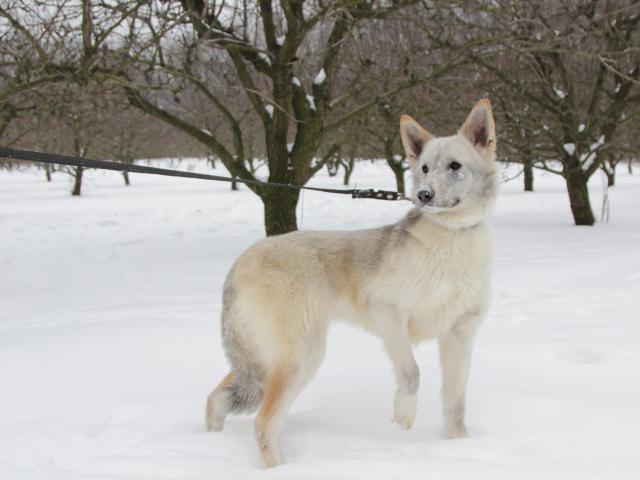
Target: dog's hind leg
(219, 404)
(282, 387)
(455, 360)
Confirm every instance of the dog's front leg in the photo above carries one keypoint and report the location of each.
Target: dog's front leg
(455, 360)
(398, 344)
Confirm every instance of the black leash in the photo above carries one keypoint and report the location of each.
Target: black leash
(40, 157)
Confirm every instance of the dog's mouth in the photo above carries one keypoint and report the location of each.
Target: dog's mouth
(435, 209)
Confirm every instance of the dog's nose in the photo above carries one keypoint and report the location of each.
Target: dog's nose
(425, 196)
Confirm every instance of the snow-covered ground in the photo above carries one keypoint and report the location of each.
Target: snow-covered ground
(109, 340)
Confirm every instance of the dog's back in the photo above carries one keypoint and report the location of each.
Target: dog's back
(426, 276)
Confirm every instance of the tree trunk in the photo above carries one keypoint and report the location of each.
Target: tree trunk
(399, 180)
(528, 176)
(348, 170)
(125, 175)
(47, 171)
(77, 184)
(234, 184)
(609, 168)
(611, 177)
(579, 197)
(332, 167)
(396, 165)
(398, 171)
(630, 165)
(280, 211)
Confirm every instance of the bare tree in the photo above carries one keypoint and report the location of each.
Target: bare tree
(76, 119)
(300, 83)
(285, 57)
(570, 73)
(90, 121)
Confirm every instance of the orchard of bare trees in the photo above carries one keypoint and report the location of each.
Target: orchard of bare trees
(305, 85)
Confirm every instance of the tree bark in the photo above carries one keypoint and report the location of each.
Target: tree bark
(399, 180)
(125, 175)
(47, 171)
(396, 166)
(609, 168)
(77, 184)
(348, 170)
(579, 196)
(398, 171)
(630, 165)
(280, 211)
(611, 177)
(528, 176)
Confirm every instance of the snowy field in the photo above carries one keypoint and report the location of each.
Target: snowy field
(109, 340)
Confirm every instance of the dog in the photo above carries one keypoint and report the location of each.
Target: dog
(425, 277)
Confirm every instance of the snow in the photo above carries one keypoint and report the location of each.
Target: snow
(559, 92)
(570, 148)
(289, 147)
(589, 157)
(320, 78)
(110, 341)
(296, 82)
(205, 131)
(280, 40)
(265, 57)
(581, 127)
(269, 109)
(312, 102)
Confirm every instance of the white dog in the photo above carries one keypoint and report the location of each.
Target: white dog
(425, 277)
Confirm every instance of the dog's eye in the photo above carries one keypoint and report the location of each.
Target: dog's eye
(454, 165)
(425, 169)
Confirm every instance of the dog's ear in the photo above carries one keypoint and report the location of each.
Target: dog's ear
(413, 137)
(480, 129)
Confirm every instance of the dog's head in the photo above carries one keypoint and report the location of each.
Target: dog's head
(454, 178)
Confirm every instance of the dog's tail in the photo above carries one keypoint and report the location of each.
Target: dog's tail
(244, 392)
(241, 390)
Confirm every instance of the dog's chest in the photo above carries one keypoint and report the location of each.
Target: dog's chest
(440, 283)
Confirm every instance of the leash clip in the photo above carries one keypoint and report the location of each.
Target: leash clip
(377, 194)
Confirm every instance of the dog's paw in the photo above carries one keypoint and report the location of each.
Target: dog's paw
(404, 409)
(405, 421)
(456, 431)
(215, 424)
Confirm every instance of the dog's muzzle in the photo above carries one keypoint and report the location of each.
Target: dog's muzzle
(426, 196)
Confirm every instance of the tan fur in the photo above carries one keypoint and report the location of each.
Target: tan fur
(425, 277)
(215, 422)
(272, 402)
(275, 386)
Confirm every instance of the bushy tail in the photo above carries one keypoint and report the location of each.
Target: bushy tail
(244, 394)
(240, 391)
(246, 389)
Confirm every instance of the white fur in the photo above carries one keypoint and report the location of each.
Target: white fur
(426, 277)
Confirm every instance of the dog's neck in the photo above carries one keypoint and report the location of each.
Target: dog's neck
(424, 226)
